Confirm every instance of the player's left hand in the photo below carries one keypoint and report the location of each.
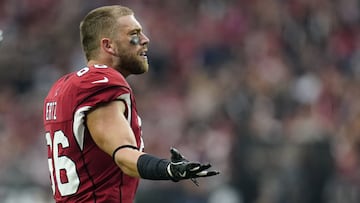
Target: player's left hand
(181, 168)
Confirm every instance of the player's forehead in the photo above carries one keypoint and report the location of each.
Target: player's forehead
(129, 23)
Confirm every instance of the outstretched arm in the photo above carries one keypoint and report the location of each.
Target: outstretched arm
(112, 133)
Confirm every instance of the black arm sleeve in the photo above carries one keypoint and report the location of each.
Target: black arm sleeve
(152, 168)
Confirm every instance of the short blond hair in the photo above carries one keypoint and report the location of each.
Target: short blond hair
(98, 23)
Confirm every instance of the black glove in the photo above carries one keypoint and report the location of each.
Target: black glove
(180, 168)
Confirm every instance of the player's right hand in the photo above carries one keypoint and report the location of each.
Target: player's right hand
(180, 168)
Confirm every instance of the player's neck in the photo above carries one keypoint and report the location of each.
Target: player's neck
(97, 62)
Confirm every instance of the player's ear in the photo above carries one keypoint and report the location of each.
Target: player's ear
(107, 46)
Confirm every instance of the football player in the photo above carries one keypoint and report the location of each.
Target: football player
(93, 130)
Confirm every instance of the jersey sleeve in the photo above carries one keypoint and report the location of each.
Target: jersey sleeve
(101, 85)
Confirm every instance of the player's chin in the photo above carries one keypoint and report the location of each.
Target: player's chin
(141, 71)
(143, 68)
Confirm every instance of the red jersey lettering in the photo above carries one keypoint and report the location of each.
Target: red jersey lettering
(79, 170)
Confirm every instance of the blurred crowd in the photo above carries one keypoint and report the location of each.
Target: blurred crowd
(265, 90)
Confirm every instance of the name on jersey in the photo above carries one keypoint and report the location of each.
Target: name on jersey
(50, 112)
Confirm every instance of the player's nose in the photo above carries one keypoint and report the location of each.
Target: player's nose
(144, 39)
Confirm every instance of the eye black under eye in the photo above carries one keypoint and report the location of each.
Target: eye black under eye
(135, 40)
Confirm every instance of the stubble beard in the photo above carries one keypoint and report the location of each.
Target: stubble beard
(133, 64)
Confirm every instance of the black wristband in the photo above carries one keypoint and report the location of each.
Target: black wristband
(152, 168)
(121, 147)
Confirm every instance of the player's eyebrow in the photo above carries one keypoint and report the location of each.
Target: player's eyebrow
(137, 30)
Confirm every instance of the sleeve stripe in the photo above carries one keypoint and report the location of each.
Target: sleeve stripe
(78, 125)
(127, 99)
